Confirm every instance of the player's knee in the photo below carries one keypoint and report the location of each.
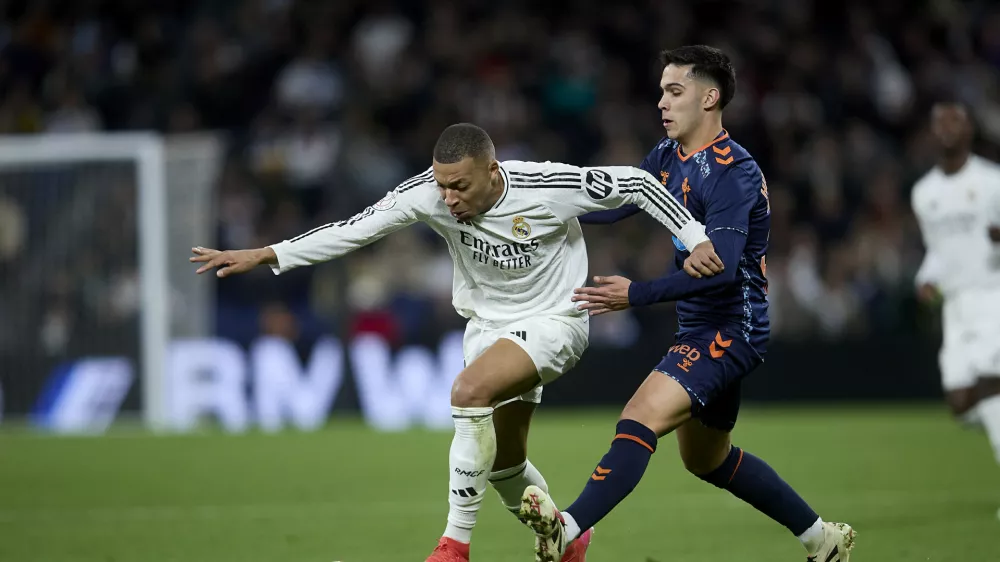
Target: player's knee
(703, 462)
(660, 422)
(987, 387)
(962, 400)
(469, 393)
(720, 475)
(659, 413)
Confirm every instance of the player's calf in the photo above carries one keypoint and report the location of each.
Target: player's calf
(753, 481)
(708, 454)
(658, 406)
(512, 471)
(502, 371)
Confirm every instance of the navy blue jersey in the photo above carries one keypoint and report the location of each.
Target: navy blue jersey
(723, 188)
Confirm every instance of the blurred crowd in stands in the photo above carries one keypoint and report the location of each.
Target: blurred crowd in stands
(328, 105)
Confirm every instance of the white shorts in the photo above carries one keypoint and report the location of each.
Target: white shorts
(971, 338)
(554, 343)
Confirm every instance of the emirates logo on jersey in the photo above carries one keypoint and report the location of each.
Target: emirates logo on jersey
(502, 256)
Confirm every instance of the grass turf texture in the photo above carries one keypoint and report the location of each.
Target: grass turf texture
(914, 484)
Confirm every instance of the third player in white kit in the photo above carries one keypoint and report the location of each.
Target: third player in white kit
(519, 253)
(957, 204)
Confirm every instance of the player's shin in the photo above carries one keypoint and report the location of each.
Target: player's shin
(753, 481)
(511, 482)
(615, 476)
(473, 450)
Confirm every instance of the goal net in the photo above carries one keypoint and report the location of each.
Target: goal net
(94, 279)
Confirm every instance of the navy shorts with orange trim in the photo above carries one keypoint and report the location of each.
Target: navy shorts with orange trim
(711, 364)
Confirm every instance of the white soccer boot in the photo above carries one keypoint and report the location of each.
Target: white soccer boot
(838, 540)
(540, 513)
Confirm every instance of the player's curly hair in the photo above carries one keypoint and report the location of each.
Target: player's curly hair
(707, 63)
(463, 139)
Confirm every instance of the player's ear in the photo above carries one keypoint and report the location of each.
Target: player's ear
(711, 98)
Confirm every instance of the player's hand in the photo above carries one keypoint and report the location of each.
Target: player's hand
(231, 262)
(927, 293)
(995, 233)
(703, 261)
(610, 294)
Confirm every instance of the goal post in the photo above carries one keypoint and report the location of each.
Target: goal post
(82, 164)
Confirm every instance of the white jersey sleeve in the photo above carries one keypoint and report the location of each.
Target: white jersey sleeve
(994, 212)
(932, 268)
(399, 208)
(577, 191)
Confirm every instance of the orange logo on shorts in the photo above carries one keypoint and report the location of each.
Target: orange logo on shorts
(716, 352)
(690, 356)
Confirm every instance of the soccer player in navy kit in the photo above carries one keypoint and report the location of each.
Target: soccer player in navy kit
(723, 326)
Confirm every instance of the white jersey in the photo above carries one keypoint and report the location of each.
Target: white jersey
(524, 256)
(955, 212)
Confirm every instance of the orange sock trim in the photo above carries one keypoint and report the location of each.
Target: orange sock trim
(637, 440)
(738, 461)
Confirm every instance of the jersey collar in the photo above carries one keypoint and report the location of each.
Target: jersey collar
(722, 136)
(506, 188)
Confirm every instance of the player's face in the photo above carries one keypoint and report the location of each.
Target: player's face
(951, 126)
(465, 186)
(682, 103)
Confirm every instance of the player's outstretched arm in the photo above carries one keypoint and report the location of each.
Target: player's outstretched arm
(618, 293)
(638, 187)
(611, 187)
(399, 208)
(612, 216)
(932, 268)
(231, 262)
(729, 203)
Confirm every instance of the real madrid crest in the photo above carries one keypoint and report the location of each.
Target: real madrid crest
(521, 228)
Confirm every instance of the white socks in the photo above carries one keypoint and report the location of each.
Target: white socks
(473, 450)
(572, 527)
(813, 537)
(989, 415)
(511, 482)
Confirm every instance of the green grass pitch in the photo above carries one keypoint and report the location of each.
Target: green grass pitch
(915, 485)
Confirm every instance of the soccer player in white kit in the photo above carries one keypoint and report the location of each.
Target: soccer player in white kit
(957, 204)
(519, 253)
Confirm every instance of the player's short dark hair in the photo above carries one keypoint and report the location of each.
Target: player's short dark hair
(707, 63)
(463, 139)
